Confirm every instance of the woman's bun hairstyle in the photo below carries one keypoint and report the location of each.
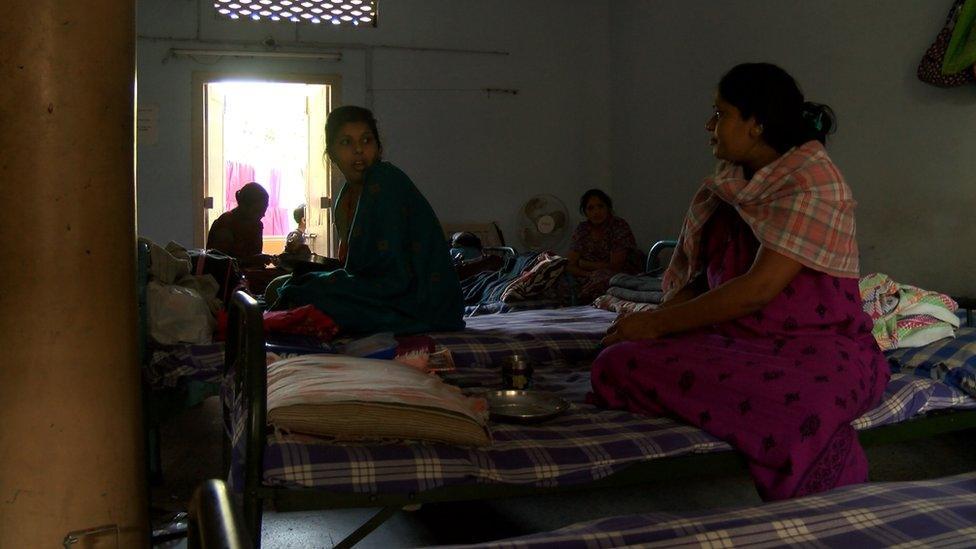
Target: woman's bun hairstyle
(251, 193)
(772, 96)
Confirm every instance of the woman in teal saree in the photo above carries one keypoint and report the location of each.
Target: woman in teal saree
(397, 275)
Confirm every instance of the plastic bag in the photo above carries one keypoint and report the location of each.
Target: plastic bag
(178, 315)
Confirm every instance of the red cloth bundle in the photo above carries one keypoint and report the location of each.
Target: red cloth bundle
(304, 320)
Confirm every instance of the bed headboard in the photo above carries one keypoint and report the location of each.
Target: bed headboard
(968, 304)
(244, 362)
(142, 279)
(654, 263)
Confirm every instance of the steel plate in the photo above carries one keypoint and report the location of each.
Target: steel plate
(524, 406)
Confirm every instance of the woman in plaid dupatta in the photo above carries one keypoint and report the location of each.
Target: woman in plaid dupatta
(761, 340)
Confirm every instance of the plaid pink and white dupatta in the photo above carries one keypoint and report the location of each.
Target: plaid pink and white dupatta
(799, 205)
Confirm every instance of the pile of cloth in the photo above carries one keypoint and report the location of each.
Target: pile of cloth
(631, 293)
(527, 276)
(920, 332)
(904, 315)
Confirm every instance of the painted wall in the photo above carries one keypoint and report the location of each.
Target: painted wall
(611, 95)
(477, 156)
(907, 149)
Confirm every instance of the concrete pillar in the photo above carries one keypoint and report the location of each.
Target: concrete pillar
(71, 443)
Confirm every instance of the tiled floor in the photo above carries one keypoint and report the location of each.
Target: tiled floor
(191, 453)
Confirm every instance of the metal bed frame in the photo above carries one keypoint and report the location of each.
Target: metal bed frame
(245, 361)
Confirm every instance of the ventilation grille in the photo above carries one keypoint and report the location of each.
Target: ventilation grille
(343, 12)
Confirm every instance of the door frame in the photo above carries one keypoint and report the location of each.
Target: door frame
(198, 127)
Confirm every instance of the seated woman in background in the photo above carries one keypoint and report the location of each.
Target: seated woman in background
(397, 273)
(602, 246)
(296, 243)
(238, 233)
(761, 340)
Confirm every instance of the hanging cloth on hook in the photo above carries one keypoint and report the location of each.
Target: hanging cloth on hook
(961, 53)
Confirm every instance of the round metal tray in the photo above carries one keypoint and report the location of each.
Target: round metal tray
(524, 406)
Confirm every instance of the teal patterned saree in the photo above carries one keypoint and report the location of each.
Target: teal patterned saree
(398, 275)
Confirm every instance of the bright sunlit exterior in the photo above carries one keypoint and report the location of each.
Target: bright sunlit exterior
(342, 12)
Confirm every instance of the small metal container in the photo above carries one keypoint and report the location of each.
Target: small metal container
(516, 372)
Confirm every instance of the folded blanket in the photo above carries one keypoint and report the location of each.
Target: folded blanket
(905, 315)
(636, 295)
(537, 279)
(615, 304)
(487, 287)
(642, 282)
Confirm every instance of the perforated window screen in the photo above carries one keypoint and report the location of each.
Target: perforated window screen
(342, 12)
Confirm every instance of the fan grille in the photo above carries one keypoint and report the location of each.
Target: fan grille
(542, 222)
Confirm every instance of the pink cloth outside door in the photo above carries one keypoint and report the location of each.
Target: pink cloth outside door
(276, 218)
(238, 174)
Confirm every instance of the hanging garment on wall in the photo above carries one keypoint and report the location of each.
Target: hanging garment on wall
(931, 66)
(961, 53)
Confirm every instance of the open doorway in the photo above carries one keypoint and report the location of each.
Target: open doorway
(272, 133)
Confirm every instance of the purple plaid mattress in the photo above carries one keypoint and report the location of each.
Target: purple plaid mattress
(583, 445)
(929, 513)
(545, 336)
(950, 360)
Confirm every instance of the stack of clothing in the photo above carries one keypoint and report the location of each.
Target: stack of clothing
(920, 332)
(630, 293)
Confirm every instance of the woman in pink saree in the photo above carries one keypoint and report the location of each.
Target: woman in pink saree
(761, 340)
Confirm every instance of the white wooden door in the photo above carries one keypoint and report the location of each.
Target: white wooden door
(214, 184)
(318, 210)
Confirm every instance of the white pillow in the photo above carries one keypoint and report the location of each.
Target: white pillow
(358, 399)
